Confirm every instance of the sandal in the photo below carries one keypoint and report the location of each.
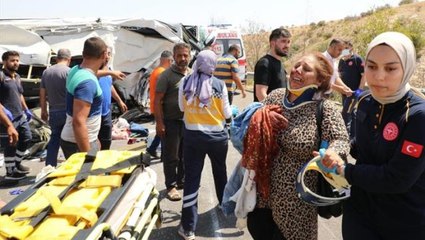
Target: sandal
(173, 195)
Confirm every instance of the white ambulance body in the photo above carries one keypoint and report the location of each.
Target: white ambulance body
(225, 37)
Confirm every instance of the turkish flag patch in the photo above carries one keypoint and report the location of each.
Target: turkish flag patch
(412, 149)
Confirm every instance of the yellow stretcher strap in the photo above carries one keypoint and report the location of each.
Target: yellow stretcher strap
(12, 229)
(102, 181)
(59, 209)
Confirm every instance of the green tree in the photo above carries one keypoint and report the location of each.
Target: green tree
(256, 41)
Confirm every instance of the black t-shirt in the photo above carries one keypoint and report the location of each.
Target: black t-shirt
(268, 71)
(351, 71)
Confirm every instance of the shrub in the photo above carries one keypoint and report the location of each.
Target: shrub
(378, 23)
(403, 2)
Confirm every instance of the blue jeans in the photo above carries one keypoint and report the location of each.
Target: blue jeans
(56, 121)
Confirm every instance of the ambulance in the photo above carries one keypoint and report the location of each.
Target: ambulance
(225, 36)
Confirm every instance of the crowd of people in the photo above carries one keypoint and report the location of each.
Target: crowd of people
(192, 105)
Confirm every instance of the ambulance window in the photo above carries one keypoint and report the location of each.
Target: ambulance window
(218, 47)
(237, 42)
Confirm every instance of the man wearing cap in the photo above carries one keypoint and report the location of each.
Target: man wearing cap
(53, 86)
(165, 62)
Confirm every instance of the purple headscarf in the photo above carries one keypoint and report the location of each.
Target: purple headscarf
(199, 82)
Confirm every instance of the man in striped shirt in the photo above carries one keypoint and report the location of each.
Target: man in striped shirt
(227, 70)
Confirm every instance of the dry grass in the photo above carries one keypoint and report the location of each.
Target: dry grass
(316, 37)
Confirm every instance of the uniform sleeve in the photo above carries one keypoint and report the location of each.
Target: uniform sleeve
(226, 105)
(161, 84)
(334, 130)
(404, 168)
(181, 104)
(261, 72)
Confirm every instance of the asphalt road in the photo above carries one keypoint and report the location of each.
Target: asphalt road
(212, 223)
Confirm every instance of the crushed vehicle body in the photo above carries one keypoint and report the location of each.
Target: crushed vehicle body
(137, 44)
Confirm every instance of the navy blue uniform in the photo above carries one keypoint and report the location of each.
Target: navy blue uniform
(388, 181)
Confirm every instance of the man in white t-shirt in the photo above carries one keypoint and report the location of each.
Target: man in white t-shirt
(332, 54)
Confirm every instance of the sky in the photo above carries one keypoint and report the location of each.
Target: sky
(267, 13)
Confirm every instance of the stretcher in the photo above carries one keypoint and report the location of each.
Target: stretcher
(96, 195)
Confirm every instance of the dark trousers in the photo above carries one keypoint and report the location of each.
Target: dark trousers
(56, 122)
(13, 154)
(70, 148)
(355, 226)
(195, 150)
(154, 144)
(230, 97)
(105, 132)
(172, 153)
(261, 225)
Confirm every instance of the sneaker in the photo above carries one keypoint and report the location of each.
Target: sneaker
(153, 154)
(21, 168)
(15, 175)
(187, 235)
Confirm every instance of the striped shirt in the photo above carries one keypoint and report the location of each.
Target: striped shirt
(224, 68)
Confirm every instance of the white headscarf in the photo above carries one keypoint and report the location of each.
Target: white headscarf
(405, 50)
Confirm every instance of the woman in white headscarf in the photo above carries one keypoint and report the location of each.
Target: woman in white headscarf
(388, 180)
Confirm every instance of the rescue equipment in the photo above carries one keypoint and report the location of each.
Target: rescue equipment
(91, 196)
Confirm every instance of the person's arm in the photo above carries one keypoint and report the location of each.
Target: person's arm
(81, 110)
(340, 87)
(261, 79)
(402, 170)
(43, 104)
(117, 75)
(261, 91)
(159, 115)
(11, 131)
(238, 82)
(117, 98)
(362, 82)
(23, 103)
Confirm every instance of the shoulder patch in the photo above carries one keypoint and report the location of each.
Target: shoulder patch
(412, 149)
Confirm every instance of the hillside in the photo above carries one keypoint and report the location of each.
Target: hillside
(409, 18)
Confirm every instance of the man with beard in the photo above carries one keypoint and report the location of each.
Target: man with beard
(84, 100)
(16, 109)
(268, 73)
(169, 119)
